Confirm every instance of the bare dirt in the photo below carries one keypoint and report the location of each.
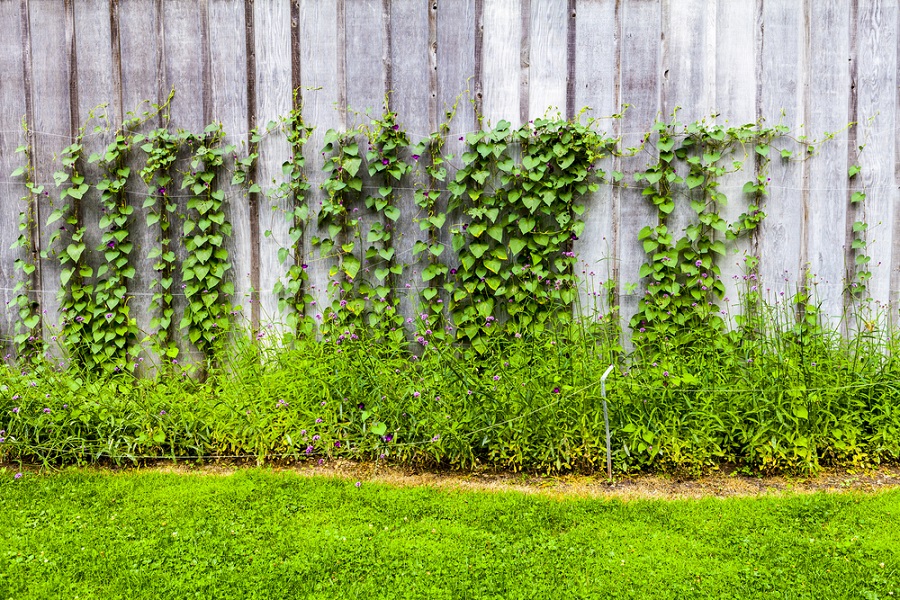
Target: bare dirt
(719, 485)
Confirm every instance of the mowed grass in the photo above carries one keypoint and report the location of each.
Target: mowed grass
(259, 533)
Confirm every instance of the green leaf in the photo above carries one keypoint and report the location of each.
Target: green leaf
(378, 429)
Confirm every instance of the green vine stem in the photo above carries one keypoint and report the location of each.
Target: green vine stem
(28, 339)
(204, 271)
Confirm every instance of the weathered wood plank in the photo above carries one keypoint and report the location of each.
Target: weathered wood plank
(273, 100)
(183, 50)
(828, 88)
(547, 76)
(321, 30)
(228, 100)
(412, 95)
(781, 101)
(639, 74)
(140, 55)
(12, 112)
(53, 129)
(596, 62)
(502, 61)
(97, 96)
(736, 30)
(876, 87)
(456, 29)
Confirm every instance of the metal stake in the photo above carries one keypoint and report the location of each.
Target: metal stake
(606, 421)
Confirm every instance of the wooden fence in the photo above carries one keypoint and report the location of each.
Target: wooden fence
(815, 65)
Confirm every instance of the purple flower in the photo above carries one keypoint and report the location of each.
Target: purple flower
(316, 438)
(396, 128)
(46, 411)
(388, 438)
(111, 244)
(385, 161)
(318, 420)
(358, 484)
(361, 406)
(665, 373)
(309, 449)
(416, 394)
(416, 157)
(15, 410)
(17, 476)
(337, 444)
(109, 316)
(304, 266)
(496, 378)
(162, 413)
(556, 390)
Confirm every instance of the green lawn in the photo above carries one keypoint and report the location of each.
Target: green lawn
(263, 534)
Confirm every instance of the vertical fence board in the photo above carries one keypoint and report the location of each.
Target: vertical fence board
(547, 72)
(97, 96)
(596, 62)
(140, 54)
(410, 98)
(184, 70)
(228, 79)
(323, 90)
(876, 87)
(829, 83)
(502, 61)
(639, 70)
(12, 112)
(52, 124)
(273, 99)
(735, 85)
(780, 240)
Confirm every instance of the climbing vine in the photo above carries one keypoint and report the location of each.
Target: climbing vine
(205, 269)
(28, 339)
(515, 248)
(291, 289)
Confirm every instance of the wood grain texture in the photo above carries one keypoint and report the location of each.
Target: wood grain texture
(320, 58)
(411, 97)
(876, 87)
(734, 82)
(12, 112)
(596, 62)
(273, 99)
(229, 106)
(183, 52)
(828, 87)
(548, 66)
(501, 76)
(781, 92)
(97, 96)
(639, 75)
(139, 50)
(365, 63)
(52, 126)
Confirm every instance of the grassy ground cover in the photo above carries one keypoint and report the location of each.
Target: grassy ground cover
(265, 534)
(781, 400)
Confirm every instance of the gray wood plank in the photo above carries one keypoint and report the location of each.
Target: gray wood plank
(828, 89)
(96, 95)
(547, 64)
(228, 79)
(876, 87)
(781, 101)
(596, 62)
(502, 61)
(639, 73)
(183, 51)
(735, 102)
(321, 55)
(12, 190)
(412, 94)
(52, 126)
(456, 87)
(140, 55)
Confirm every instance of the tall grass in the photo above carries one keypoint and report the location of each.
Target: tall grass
(775, 393)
